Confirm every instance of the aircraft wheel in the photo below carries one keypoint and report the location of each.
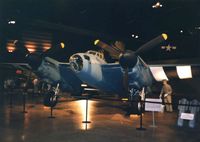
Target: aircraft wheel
(50, 100)
(134, 106)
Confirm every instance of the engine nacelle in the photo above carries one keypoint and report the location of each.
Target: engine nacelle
(76, 62)
(128, 59)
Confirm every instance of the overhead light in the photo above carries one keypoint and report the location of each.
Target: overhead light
(12, 22)
(181, 31)
(10, 49)
(10, 46)
(31, 50)
(134, 36)
(157, 5)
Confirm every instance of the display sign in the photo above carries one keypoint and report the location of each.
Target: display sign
(187, 116)
(156, 104)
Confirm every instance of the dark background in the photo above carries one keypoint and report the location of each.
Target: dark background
(79, 22)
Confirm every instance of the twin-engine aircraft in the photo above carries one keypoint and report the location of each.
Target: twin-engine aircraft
(126, 77)
(57, 74)
(130, 75)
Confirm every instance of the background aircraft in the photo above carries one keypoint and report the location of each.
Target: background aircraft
(52, 72)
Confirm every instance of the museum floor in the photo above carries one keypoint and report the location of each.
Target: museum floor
(108, 123)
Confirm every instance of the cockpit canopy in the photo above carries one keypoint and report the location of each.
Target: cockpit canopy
(95, 53)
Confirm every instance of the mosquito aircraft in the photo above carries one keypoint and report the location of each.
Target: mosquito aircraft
(57, 74)
(127, 77)
(130, 74)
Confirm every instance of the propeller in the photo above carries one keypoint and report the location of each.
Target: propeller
(35, 59)
(128, 58)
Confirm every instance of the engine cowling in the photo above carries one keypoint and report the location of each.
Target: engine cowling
(76, 62)
(128, 59)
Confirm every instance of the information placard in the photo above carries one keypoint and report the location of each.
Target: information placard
(156, 104)
(187, 116)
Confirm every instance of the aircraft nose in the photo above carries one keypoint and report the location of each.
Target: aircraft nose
(76, 62)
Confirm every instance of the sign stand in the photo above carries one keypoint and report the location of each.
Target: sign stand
(153, 120)
(153, 104)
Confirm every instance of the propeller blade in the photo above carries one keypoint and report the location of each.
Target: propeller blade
(21, 48)
(120, 46)
(33, 59)
(113, 50)
(55, 49)
(152, 43)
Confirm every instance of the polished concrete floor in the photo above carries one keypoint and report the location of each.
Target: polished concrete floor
(108, 123)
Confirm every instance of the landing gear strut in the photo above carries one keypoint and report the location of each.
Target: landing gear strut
(134, 105)
(51, 97)
(137, 105)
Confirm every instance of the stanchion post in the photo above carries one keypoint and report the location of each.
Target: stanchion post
(141, 128)
(51, 115)
(24, 103)
(11, 99)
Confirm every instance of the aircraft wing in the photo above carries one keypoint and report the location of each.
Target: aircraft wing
(170, 69)
(24, 67)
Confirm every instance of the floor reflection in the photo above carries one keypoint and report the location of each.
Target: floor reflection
(86, 109)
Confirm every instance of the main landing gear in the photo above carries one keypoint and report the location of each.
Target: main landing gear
(134, 102)
(51, 97)
(136, 106)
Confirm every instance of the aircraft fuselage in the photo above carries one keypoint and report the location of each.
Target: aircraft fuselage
(108, 77)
